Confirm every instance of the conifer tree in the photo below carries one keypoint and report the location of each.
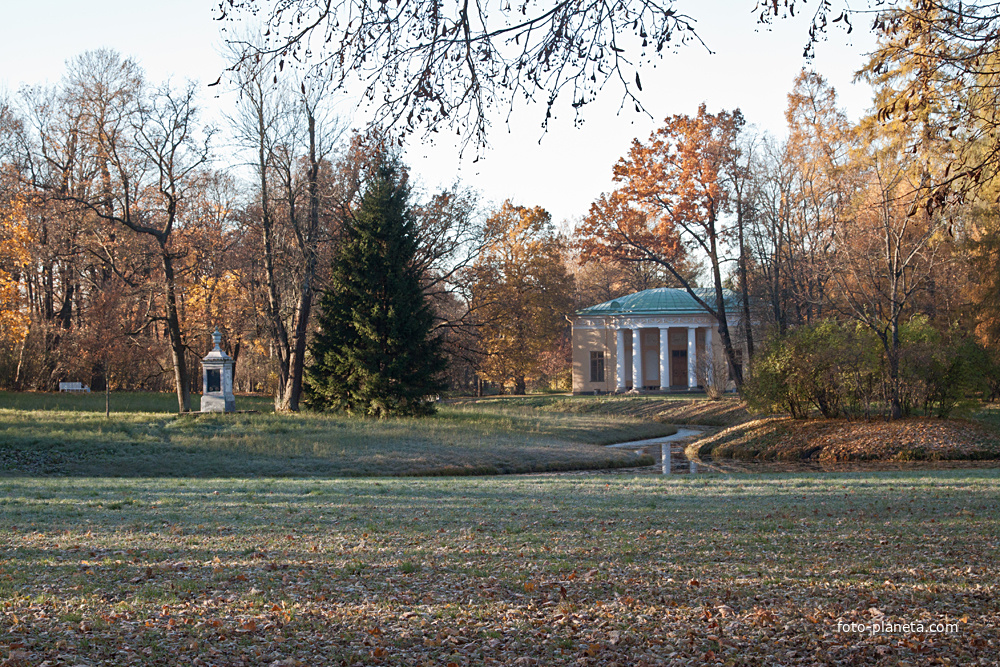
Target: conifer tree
(374, 354)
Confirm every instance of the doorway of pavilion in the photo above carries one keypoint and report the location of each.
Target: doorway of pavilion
(678, 368)
(651, 369)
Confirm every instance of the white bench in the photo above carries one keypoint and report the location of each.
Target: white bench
(74, 387)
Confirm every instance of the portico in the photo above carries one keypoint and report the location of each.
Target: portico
(676, 350)
(660, 340)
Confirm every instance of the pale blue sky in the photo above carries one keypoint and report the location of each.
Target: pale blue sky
(752, 68)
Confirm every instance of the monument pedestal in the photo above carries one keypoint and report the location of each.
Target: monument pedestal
(217, 379)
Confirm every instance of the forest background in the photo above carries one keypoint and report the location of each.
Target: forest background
(124, 243)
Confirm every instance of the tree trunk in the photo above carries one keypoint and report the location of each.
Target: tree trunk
(279, 334)
(174, 332)
(297, 352)
(237, 347)
(720, 309)
(65, 315)
(744, 286)
(896, 405)
(292, 391)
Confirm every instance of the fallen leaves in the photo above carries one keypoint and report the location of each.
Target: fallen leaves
(739, 570)
(832, 441)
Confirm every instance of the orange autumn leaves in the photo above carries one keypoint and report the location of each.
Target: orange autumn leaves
(521, 291)
(670, 190)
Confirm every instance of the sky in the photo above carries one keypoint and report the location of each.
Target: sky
(750, 67)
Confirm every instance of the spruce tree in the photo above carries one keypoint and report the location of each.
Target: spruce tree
(374, 354)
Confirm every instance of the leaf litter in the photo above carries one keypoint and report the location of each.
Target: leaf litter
(736, 570)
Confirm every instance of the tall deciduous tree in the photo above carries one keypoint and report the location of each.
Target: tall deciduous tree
(292, 136)
(172, 147)
(521, 294)
(15, 242)
(801, 188)
(886, 255)
(937, 84)
(673, 195)
(374, 353)
(984, 244)
(130, 158)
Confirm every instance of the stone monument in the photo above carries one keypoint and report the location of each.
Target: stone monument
(217, 379)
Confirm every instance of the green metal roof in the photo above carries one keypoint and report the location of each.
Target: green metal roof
(660, 301)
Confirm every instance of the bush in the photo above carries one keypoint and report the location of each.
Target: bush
(942, 374)
(841, 370)
(825, 366)
(768, 387)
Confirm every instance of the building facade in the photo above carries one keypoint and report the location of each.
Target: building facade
(654, 340)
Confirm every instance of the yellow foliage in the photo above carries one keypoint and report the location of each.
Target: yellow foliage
(210, 297)
(14, 244)
(521, 293)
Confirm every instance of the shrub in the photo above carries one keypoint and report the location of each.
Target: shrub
(825, 366)
(840, 369)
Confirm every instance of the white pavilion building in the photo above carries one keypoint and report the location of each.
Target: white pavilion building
(654, 340)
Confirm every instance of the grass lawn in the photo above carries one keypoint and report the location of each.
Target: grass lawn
(126, 401)
(669, 408)
(546, 570)
(63, 435)
(152, 538)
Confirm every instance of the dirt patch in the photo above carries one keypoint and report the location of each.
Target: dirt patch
(785, 439)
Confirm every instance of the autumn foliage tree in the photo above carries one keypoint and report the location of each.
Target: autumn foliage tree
(15, 244)
(885, 257)
(801, 188)
(167, 146)
(674, 193)
(937, 85)
(521, 294)
(117, 172)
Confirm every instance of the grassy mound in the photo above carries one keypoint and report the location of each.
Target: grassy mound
(666, 409)
(469, 439)
(786, 439)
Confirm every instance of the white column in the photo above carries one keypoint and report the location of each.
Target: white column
(620, 359)
(709, 355)
(636, 359)
(664, 358)
(692, 358)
